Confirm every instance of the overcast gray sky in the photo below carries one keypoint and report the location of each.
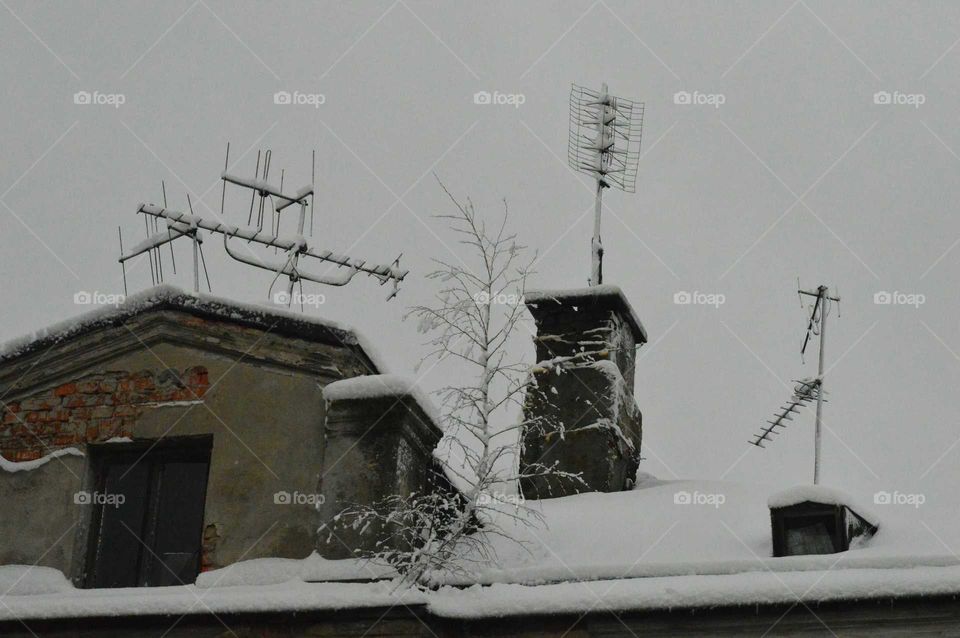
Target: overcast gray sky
(798, 173)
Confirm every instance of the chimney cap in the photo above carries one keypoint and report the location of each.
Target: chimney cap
(604, 297)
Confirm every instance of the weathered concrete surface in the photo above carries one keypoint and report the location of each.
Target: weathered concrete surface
(256, 389)
(581, 415)
(39, 520)
(375, 448)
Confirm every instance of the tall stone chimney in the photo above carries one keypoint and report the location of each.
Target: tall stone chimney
(580, 414)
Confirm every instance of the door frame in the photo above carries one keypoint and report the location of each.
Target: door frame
(198, 447)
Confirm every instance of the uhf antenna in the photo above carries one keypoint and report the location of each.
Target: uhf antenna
(604, 141)
(807, 390)
(295, 247)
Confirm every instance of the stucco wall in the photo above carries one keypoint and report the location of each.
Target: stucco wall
(261, 401)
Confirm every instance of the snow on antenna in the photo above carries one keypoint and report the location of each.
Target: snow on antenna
(808, 389)
(294, 246)
(604, 141)
(156, 237)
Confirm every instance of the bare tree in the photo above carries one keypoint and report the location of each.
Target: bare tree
(475, 321)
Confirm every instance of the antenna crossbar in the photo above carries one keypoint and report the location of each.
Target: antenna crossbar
(296, 245)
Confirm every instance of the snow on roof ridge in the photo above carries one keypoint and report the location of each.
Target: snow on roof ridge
(166, 292)
(374, 386)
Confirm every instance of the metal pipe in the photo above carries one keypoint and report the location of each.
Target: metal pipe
(823, 338)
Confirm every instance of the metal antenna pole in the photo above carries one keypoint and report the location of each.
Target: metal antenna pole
(811, 388)
(604, 141)
(822, 291)
(196, 245)
(823, 298)
(596, 247)
(173, 259)
(123, 264)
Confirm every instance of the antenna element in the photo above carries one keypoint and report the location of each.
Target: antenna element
(604, 141)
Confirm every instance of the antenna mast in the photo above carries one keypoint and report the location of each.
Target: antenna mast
(808, 389)
(294, 247)
(821, 307)
(604, 141)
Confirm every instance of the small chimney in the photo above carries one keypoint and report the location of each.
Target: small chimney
(580, 413)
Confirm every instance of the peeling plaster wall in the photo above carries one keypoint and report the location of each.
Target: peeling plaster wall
(258, 394)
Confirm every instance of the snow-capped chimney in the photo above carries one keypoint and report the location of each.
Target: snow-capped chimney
(580, 415)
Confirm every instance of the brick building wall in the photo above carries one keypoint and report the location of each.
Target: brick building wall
(92, 409)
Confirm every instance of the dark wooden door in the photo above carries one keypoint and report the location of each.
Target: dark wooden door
(147, 523)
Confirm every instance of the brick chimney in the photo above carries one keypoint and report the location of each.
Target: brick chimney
(580, 413)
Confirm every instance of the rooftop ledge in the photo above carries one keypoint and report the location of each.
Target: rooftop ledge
(166, 297)
(603, 297)
(379, 386)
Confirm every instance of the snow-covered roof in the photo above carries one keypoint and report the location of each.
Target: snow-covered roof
(604, 296)
(376, 386)
(279, 320)
(663, 545)
(695, 527)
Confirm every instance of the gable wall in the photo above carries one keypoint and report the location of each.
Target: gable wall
(264, 409)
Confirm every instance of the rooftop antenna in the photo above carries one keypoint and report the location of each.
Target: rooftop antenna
(604, 141)
(810, 389)
(295, 246)
(154, 240)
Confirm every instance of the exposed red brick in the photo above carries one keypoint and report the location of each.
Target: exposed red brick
(65, 390)
(26, 455)
(76, 401)
(197, 377)
(121, 397)
(142, 381)
(39, 403)
(92, 408)
(65, 439)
